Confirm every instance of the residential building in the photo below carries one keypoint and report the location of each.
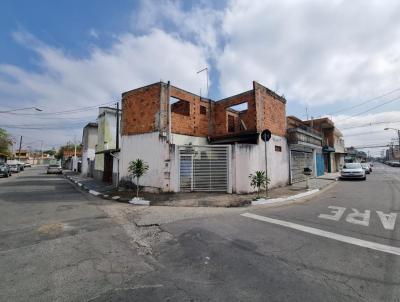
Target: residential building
(305, 145)
(23, 156)
(71, 158)
(193, 143)
(89, 142)
(354, 156)
(105, 166)
(333, 143)
(393, 153)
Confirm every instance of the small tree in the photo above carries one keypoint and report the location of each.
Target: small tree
(258, 180)
(138, 168)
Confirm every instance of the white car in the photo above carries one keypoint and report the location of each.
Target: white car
(54, 169)
(366, 167)
(353, 171)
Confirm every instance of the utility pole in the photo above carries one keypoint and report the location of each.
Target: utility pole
(398, 150)
(19, 150)
(117, 130)
(41, 152)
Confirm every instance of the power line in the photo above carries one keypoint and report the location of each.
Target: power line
(380, 105)
(367, 101)
(70, 111)
(369, 124)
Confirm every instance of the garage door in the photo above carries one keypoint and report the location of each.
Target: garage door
(298, 161)
(204, 168)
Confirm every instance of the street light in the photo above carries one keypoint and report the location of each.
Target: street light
(26, 108)
(398, 134)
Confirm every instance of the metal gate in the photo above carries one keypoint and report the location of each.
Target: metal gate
(298, 161)
(204, 168)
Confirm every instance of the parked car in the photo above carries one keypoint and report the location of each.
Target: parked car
(14, 168)
(354, 171)
(21, 166)
(54, 169)
(366, 167)
(5, 170)
(27, 165)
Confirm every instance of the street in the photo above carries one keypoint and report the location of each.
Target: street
(61, 244)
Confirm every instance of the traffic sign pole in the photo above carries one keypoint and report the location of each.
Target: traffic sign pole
(266, 136)
(266, 170)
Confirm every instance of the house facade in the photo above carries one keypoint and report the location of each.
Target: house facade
(197, 144)
(332, 145)
(305, 147)
(89, 142)
(104, 167)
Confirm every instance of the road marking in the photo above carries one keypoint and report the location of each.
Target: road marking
(388, 220)
(351, 240)
(359, 218)
(337, 213)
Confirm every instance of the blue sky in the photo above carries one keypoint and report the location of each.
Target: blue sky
(61, 55)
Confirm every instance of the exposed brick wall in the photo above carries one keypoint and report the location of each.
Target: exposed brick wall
(140, 110)
(146, 110)
(220, 114)
(271, 111)
(195, 124)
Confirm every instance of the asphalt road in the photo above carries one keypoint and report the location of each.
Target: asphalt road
(57, 244)
(237, 258)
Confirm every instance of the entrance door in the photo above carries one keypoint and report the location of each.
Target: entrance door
(108, 168)
(204, 168)
(298, 161)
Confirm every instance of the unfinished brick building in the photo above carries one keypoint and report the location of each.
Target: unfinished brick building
(197, 144)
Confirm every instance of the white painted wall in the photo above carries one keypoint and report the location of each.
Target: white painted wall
(179, 139)
(149, 147)
(87, 154)
(248, 158)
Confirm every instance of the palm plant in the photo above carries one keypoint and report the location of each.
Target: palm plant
(138, 168)
(258, 180)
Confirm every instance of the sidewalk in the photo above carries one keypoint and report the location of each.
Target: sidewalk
(203, 199)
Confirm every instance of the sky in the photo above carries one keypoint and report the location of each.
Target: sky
(339, 59)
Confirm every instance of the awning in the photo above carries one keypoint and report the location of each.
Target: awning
(328, 149)
(107, 151)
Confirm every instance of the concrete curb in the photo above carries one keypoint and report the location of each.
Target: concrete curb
(283, 199)
(95, 193)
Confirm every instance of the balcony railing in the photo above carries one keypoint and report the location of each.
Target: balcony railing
(304, 135)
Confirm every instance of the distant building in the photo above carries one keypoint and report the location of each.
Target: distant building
(333, 144)
(106, 164)
(89, 142)
(355, 156)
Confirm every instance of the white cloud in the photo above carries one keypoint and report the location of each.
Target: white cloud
(93, 33)
(65, 82)
(314, 52)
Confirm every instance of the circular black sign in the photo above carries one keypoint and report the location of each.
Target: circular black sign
(266, 135)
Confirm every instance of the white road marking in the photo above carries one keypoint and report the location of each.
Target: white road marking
(337, 213)
(388, 220)
(351, 240)
(359, 218)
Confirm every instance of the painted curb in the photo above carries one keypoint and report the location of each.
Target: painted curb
(95, 193)
(282, 199)
(139, 202)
